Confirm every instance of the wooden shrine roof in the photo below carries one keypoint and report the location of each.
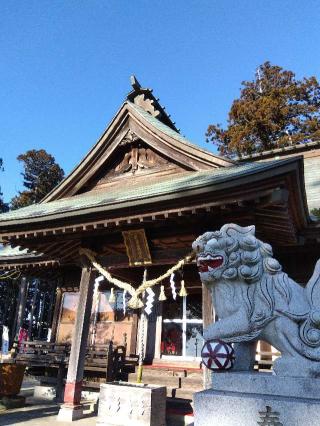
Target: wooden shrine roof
(130, 196)
(19, 258)
(311, 158)
(140, 118)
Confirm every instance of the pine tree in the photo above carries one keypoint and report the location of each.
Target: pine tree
(274, 110)
(41, 174)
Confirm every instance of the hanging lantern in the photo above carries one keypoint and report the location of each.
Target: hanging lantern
(162, 295)
(183, 291)
(112, 297)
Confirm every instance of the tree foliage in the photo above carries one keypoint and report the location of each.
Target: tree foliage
(40, 175)
(274, 110)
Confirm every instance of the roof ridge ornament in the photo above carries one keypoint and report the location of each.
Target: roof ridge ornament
(135, 83)
(144, 98)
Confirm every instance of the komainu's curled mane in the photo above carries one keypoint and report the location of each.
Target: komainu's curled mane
(253, 297)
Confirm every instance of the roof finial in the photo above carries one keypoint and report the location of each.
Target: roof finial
(144, 98)
(135, 83)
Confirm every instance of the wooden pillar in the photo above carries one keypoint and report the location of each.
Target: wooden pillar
(20, 312)
(208, 316)
(72, 410)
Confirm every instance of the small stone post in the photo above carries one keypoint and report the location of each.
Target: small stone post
(72, 409)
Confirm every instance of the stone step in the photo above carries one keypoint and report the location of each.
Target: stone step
(177, 390)
(184, 365)
(158, 371)
(179, 382)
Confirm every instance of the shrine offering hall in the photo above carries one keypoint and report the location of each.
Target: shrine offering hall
(129, 211)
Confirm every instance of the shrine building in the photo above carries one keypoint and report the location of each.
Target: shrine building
(137, 201)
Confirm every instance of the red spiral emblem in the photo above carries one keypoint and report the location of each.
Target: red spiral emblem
(217, 355)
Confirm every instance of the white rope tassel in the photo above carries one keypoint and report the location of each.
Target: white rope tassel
(162, 296)
(183, 291)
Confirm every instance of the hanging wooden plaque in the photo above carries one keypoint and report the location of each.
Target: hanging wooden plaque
(137, 247)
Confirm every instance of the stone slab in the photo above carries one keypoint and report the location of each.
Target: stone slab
(267, 383)
(132, 404)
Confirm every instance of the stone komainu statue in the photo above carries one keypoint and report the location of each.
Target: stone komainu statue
(255, 300)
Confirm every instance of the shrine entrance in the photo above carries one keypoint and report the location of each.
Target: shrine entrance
(182, 328)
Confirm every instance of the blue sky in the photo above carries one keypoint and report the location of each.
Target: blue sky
(65, 65)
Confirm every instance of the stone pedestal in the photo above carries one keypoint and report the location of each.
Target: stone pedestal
(132, 404)
(70, 412)
(258, 398)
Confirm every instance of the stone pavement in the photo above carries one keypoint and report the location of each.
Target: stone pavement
(44, 413)
(37, 413)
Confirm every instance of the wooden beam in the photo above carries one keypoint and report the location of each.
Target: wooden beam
(159, 257)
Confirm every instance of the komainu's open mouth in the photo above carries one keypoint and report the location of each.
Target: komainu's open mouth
(208, 262)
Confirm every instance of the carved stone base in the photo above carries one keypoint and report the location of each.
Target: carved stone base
(70, 413)
(258, 398)
(132, 404)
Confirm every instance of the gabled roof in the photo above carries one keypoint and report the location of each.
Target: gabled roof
(115, 199)
(140, 114)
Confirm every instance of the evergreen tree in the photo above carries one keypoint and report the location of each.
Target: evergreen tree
(41, 174)
(274, 110)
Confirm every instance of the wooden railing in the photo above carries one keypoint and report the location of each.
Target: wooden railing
(101, 359)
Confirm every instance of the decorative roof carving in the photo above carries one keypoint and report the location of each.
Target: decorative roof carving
(144, 98)
(135, 156)
(129, 138)
(147, 104)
